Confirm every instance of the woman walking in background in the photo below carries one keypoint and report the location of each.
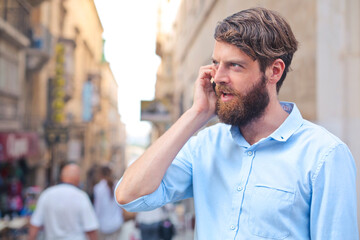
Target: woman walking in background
(109, 214)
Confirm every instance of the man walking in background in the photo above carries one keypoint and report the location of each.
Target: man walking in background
(109, 214)
(64, 211)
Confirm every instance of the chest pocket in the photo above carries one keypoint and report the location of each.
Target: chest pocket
(269, 209)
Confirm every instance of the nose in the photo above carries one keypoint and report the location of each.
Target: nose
(221, 74)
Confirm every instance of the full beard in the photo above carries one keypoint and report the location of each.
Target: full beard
(244, 108)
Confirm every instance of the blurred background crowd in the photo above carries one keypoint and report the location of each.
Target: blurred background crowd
(59, 92)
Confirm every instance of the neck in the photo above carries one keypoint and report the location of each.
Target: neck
(265, 125)
(71, 183)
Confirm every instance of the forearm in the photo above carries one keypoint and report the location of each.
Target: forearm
(92, 235)
(144, 175)
(33, 231)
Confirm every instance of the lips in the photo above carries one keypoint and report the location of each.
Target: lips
(225, 93)
(226, 97)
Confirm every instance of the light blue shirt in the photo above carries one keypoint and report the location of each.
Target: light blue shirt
(298, 183)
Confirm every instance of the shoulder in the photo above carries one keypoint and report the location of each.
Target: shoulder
(208, 136)
(100, 186)
(76, 194)
(206, 140)
(316, 142)
(51, 190)
(218, 129)
(71, 190)
(52, 193)
(328, 149)
(318, 135)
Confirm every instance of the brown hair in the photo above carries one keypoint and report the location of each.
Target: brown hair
(106, 174)
(262, 34)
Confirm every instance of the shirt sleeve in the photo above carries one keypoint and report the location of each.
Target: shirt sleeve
(175, 186)
(333, 212)
(37, 218)
(88, 216)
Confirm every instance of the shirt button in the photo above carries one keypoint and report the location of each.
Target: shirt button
(232, 227)
(250, 153)
(239, 188)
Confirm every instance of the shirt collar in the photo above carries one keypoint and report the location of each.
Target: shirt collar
(283, 133)
(237, 136)
(291, 123)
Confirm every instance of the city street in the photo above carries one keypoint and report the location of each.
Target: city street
(186, 102)
(129, 232)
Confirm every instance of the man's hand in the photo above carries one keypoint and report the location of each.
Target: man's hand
(145, 174)
(204, 95)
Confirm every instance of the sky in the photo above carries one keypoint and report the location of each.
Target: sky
(130, 33)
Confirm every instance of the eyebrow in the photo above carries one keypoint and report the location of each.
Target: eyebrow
(237, 61)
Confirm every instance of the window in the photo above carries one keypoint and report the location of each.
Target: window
(9, 71)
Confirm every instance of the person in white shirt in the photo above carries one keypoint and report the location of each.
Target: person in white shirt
(149, 223)
(110, 215)
(64, 211)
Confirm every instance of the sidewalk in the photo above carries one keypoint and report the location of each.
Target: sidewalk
(189, 235)
(129, 232)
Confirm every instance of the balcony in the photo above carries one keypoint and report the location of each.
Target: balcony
(35, 3)
(40, 49)
(156, 111)
(17, 14)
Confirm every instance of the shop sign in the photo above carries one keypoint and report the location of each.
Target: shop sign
(156, 111)
(16, 145)
(56, 134)
(57, 91)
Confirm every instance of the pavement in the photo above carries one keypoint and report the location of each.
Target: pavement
(130, 232)
(188, 235)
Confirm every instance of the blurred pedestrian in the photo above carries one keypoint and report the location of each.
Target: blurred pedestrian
(64, 211)
(264, 172)
(167, 228)
(149, 223)
(109, 214)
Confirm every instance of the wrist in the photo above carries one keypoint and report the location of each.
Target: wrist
(199, 115)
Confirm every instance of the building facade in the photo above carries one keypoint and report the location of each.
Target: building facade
(324, 79)
(19, 145)
(78, 95)
(58, 96)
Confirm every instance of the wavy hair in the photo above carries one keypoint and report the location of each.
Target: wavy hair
(262, 34)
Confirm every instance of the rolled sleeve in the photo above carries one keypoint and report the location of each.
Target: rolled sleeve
(139, 204)
(175, 186)
(37, 219)
(88, 216)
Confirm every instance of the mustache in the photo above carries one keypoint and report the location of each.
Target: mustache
(221, 88)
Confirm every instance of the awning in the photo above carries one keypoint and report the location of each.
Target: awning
(17, 145)
(156, 111)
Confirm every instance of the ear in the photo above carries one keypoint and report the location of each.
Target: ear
(276, 70)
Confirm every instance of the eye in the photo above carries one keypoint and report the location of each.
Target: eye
(215, 63)
(236, 65)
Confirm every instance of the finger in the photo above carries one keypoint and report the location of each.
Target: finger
(206, 72)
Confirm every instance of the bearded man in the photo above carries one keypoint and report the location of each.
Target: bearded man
(263, 172)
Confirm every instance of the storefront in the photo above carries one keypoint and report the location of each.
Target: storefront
(15, 149)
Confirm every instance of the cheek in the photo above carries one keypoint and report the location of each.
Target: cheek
(245, 82)
(241, 82)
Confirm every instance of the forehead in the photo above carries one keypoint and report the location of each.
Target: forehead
(224, 51)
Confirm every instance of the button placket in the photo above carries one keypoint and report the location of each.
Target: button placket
(237, 199)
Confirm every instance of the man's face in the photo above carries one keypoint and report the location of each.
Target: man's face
(241, 90)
